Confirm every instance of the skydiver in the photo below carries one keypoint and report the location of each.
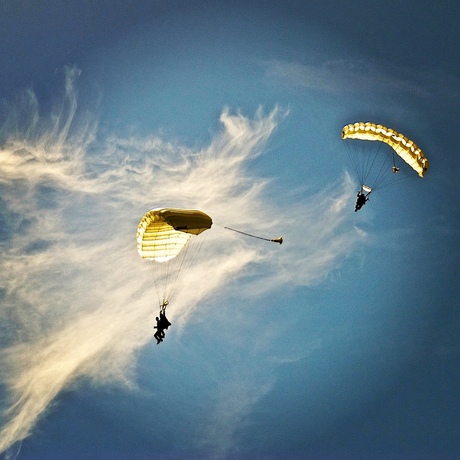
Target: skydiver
(159, 334)
(162, 324)
(361, 200)
(164, 321)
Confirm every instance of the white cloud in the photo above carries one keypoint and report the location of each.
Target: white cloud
(368, 77)
(76, 294)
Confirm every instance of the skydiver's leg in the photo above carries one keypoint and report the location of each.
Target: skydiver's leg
(157, 335)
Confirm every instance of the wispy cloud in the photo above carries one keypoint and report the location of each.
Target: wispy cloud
(248, 375)
(75, 294)
(367, 76)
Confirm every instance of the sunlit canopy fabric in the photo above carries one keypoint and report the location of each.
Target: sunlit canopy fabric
(403, 146)
(162, 233)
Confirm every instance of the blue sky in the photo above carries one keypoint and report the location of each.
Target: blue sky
(340, 343)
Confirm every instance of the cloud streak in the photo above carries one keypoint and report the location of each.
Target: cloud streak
(367, 76)
(75, 294)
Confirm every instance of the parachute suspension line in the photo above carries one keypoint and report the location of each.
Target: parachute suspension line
(352, 159)
(163, 307)
(273, 240)
(389, 173)
(186, 260)
(371, 157)
(174, 270)
(393, 178)
(360, 158)
(156, 283)
(166, 274)
(173, 280)
(366, 157)
(382, 171)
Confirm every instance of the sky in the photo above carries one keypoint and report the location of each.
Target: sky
(340, 343)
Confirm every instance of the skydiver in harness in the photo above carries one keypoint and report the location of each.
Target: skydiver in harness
(162, 323)
(361, 199)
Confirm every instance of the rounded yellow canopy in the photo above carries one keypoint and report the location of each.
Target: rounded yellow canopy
(403, 146)
(163, 233)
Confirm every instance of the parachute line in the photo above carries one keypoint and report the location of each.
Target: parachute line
(166, 238)
(186, 262)
(373, 164)
(171, 273)
(273, 240)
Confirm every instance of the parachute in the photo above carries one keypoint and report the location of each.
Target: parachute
(169, 238)
(376, 168)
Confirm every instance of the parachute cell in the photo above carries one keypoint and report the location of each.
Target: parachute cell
(162, 233)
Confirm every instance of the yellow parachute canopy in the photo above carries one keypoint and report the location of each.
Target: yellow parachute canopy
(163, 233)
(403, 146)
